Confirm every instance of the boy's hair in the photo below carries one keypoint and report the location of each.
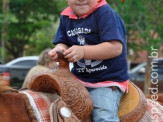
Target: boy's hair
(44, 58)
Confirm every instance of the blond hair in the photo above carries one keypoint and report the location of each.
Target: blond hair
(44, 58)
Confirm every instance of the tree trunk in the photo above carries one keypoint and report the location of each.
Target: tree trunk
(147, 82)
(5, 11)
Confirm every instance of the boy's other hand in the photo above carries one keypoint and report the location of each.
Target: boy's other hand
(74, 53)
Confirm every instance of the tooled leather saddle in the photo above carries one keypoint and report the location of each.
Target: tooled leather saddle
(75, 99)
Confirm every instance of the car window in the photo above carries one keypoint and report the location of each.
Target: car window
(160, 67)
(160, 70)
(26, 63)
(1, 62)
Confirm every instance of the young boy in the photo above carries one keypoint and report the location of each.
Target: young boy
(93, 37)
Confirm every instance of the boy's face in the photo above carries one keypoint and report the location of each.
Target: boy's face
(81, 7)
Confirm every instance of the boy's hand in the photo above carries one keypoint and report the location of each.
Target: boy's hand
(74, 53)
(53, 53)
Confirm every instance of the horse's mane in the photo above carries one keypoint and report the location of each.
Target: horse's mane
(4, 88)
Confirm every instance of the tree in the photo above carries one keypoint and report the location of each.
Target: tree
(41, 39)
(25, 18)
(5, 11)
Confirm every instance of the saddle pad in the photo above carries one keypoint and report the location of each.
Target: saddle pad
(40, 104)
(154, 112)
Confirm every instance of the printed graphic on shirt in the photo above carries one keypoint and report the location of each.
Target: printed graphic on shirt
(84, 64)
(81, 40)
(77, 31)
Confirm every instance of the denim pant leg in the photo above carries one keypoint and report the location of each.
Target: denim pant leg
(106, 104)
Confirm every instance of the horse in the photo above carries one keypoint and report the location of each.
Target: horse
(14, 107)
(63, 98)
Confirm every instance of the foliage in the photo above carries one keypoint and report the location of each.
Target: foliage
(25, 17)
(41, 39)
(28, 19)
(143, 21)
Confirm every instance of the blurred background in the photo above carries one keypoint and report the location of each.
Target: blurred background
(28, 26)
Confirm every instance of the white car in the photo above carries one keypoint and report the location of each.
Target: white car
(15, 71)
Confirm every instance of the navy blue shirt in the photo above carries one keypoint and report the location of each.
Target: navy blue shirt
(103, 25)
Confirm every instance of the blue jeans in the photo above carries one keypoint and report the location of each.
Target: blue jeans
(106, 104)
